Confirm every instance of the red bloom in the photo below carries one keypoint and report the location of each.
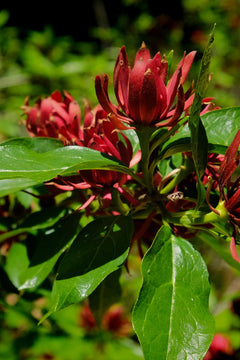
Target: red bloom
(229, 188)
(57, 118)
(141, 91)
(114, 321)
(100, 134)
(61, 119)
(227, 180)
(54, 117)
(219, 346)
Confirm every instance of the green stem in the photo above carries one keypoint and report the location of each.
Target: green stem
(144, 135)
(116, 198)
(191, 219)
(186, 169)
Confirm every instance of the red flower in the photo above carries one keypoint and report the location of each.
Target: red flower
(114, 321)
(141, 91)
(86, 320)
(54, 117)
(57, 118)
(220, 345)
(229, 182)
(61, 119)
(100, 134)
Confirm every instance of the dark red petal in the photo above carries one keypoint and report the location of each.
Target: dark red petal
(121, 79)
(233, 250)
(234, 201)
(101, 85)
(172, 88)
(75, 118)
(135, 89)
(45, 110)
(161, 94)
(177, 111)
(56, 95)
(143, 54)
(148, 98)
(229, 163)
(164, 70)
(233, 148)
(186, 64)
(117, 122)
(179, 107)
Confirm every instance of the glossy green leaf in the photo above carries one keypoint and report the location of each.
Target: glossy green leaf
(37, 144)
(199, 140)
(99, 249)
(8, 186)
(18, 161)
(171, 316)
(28, 273)
(220, 125)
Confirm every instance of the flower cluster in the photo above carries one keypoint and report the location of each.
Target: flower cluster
(142, 93)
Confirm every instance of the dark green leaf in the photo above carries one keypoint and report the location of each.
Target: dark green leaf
(171, 316)
(199, 139)
(28, 273)
(35, 221)
(99, 249)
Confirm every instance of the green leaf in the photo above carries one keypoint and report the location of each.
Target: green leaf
(171, 316)
(37, 144)
(35, 221)
(222, 125)
(199, 139)
(105, 295)
(99, 249)
(28, 273)
(17, 263)
(19, 161)
(8, 186)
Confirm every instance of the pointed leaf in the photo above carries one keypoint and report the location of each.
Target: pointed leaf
(99, 249)
(171, 316)
(199, 139)
(37, 144)
(18, 161)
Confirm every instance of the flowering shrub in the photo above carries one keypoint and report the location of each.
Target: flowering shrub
(145, 176)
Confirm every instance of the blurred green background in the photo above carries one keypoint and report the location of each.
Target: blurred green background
(47, 48)
(44, 48)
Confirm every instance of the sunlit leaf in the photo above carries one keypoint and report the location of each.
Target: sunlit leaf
(99, 249)
(171, 316)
